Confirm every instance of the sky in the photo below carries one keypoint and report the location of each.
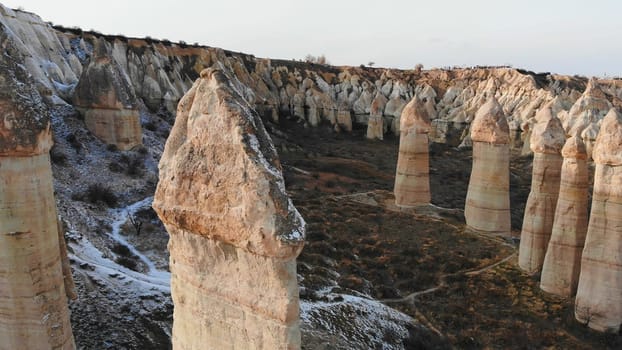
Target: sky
(565, 37)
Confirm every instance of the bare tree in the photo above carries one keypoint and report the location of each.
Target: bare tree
(136, 223)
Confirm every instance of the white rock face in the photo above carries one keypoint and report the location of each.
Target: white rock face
(234, 233)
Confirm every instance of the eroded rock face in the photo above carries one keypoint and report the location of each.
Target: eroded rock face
(33, 302)
(487, 206)
(234, 233)
(412, 181)
(547, 140)
(562, 262)
(107, 100)
(591, 107)
(599, 294)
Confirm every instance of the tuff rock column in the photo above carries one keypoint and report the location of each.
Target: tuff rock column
(412, 181)
(487, 206)
(33, 301)
(344, 118)
(106, 97)
(562, 262)
(234, 233)
(375, 127)
(599, 294)
(547, 139)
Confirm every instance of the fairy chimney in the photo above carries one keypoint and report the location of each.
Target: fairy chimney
(487, 206)
(547, 140)
(234, 232)
(562, 262)
(599, 294)
(412, 182)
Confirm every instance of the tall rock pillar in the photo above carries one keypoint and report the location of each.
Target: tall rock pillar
(599, 294)
(412, 181)
(234, 232)
(375, 125)
(487, 206)
(562, 262)
(547, 139)
(33, 301)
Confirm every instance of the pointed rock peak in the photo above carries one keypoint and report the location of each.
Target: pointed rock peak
(574, 148)
(548, 135)
(544, 114)
(427, 92)
(378, 104)
(593, 89)
(490, 124)
(415, 117)
(103, 83)
(220, 175)
(100, 50)
(590, 132)
(608, 146)
(551, 103)
(491, 87)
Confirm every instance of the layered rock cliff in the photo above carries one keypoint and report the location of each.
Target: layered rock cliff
(160, 72)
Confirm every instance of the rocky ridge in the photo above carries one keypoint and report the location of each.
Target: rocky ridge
(161, 72)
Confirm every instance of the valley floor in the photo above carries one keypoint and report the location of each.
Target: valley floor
(464, 286)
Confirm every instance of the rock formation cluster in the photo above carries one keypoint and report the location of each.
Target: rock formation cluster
(234, 232)
(412, 181)
(547, 140)
(221, 194)
(562, 263)
(33, 297)
(599, 293)
(487, 206)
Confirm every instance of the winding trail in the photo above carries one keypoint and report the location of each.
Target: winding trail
(433, 212)
(410, 298)
(84, 252)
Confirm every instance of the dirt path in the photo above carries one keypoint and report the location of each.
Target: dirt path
(410, 298)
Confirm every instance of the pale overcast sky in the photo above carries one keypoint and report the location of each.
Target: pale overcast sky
(568, 37)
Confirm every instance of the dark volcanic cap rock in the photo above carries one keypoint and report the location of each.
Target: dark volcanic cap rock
(25, 119)
(103, 83)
